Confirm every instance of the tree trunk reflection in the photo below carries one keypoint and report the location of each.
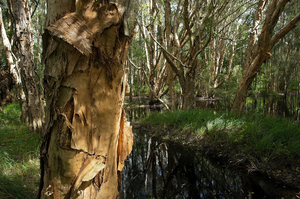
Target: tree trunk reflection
(161, 170)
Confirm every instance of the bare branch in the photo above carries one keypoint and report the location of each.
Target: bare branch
(37, 2)
(153, 92)
(177, 14)
(287, 28)
(186, 21)
(235, 18)
(204, 46)
(170, 54)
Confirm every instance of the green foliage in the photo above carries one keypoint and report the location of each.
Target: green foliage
(19, 156)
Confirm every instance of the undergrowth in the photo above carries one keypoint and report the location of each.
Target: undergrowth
(19, 156)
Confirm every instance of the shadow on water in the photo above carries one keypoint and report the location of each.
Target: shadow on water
(161, 170)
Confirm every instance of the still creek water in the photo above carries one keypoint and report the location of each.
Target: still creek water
(163, 170)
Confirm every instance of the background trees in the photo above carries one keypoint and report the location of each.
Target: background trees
(21, 62)
(219, 55)
(188, 51)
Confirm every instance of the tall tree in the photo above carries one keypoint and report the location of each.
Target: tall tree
(190, 37)
(168, 36)
(34, 106)
(86, 136)
(260, 45)
(153, 56)
(11, 61)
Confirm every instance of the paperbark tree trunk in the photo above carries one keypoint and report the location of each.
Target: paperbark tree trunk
(258, 51)
(170, 72)
(34, 106)
(188, 90)
(86, 136)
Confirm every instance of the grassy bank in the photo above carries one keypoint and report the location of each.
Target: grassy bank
(257, 143)
(19, 156)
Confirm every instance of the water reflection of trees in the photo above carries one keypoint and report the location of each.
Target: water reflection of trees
(156, 170)
(276, 105)
(134, 114)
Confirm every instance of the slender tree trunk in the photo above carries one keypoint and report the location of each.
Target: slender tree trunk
(169, 68)
(152, 55)
(130, 79)
(139, 72)
(86, 136)
(34, 104)
(188, 97)
(233, 43)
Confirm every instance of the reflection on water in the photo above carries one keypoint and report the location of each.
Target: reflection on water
(136, 113)
(160, 170)
(277, 105)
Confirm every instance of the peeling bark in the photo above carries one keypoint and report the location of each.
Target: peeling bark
(87, 137)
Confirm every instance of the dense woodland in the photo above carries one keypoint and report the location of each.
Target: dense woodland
(241, 54)
(193, 49)
(183, 50)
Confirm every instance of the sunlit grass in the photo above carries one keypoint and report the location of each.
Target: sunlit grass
(255, 135)
(19, 156)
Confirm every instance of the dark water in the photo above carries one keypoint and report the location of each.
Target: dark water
(161, 170)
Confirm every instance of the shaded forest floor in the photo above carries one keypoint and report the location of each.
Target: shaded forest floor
(255, 143)
(19, 156)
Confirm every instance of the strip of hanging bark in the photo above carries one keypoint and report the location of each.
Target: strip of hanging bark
(74, 31)
(125, 141)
